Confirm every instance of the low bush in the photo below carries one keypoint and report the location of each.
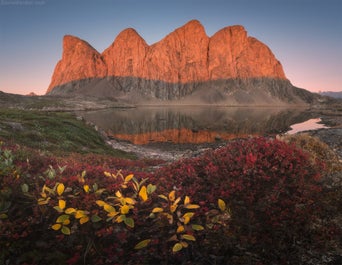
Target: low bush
(255, 201)
(317, 150)
(273, 190)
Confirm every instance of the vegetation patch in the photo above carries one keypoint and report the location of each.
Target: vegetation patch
(54, 132)
(317, 150)
(255, 201)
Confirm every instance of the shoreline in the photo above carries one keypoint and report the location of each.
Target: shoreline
(170, 152)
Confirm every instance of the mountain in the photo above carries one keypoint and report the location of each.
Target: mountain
(186, 66)
(332, 94)
(79, 61)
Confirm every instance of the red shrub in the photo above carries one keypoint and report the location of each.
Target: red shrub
(271, 188)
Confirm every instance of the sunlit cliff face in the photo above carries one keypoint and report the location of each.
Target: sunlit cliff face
(178, 136)
(185, 55)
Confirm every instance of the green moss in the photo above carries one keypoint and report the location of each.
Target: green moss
(55, 132)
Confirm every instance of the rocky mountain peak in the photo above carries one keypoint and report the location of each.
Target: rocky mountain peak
(125, 56)
(79, 61)
(172, 67)
(180, 57)
(193, 26)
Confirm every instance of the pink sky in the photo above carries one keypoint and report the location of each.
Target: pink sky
(304, 35)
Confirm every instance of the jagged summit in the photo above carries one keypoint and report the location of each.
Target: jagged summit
(79, 61)
(173, 68)
(125, 56)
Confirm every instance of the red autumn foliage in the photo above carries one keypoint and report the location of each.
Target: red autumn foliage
(272, 189)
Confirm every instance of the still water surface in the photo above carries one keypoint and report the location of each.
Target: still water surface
(311, 124)
(144, 125)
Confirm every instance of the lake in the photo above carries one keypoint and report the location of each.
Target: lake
(194, 124)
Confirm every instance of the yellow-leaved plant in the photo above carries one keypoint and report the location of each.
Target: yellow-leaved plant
(67, 214)
(169, 213)
(219, 216)
(120, 206)
(178, 214)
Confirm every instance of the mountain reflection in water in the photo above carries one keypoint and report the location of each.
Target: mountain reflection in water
(144, 125)
(179, 136)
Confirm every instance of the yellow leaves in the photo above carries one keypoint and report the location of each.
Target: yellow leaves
(86, 188)
(124, 209)
(177, 201)
(42, 201)
(177, 247)
(120, 218)
(43, 194)
(129, 177)
(46, 188)
(180, 229)
(70, 210)
(172, 198)
(142, 244)
(45, 199)
(187, 204)
(186, 220)
(188, 215)
(192, 206)
(81, 177)
(157, 210)
(66, 222)
(107, 174)
(80, 214)
(186, 200)
(221, 205)
(173, 208)
(112, 214)
(60, 189)
(109, 208)
(62, 218)
(100, 203)
(61, 224)
(124, 206)
(125, 180)
(118, 194)
(84, 219)
(188, 237)
(172, 195)
(61, 204)
(56, 227)
(163, 197)
(170, 211)
(143, 193)
(129, 201)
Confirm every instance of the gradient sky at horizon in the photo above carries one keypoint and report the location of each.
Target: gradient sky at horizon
(304, 35)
